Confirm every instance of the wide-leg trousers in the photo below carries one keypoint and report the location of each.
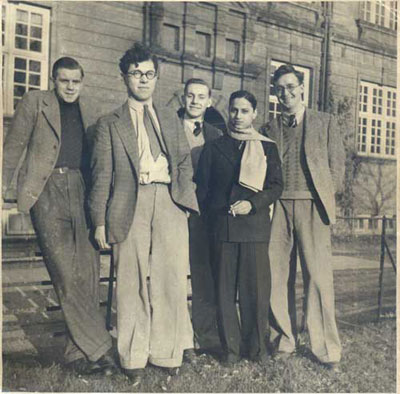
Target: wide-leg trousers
(59, 219)
(243, 267)
(203, 278)
(153, 321)
(300, 220)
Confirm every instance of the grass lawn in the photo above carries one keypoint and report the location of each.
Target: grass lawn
(368, 365)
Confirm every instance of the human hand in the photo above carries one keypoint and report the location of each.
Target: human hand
(241, 207)
(100, 237)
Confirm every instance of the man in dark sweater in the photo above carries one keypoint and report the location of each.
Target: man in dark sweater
(312, 155)
(52, 126)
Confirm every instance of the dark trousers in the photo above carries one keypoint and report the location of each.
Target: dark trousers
(204, 305)
(244, 267)
(72, 262)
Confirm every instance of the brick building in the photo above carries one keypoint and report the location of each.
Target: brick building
(346, 50)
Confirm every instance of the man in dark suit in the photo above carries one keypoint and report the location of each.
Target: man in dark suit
(312, 155)
(196, 99)
(53, 126)
(238, 177)
(142, 189)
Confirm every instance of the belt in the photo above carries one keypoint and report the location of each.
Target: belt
(64, 170)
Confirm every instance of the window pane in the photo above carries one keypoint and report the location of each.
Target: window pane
(21, 43)
(22, 16)
(36, 19)
(34, 66)
(203, 44)
(20, 63)
(19, 91)
(19, 77)
(35, 46)
(233, 51)
(3, 24)
(21, 29)
(34, 79)
(170, 37)
(36, 32)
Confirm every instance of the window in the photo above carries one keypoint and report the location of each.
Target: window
(381, 13)
(203, 44)
(377, 120)
(232, 51)
(170, 37)
(274, 107)
(25, 31)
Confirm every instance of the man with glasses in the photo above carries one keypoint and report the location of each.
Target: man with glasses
(312, 156)
(53, 126)
(142, 190)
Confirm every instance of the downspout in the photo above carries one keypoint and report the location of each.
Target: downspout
(325, 66)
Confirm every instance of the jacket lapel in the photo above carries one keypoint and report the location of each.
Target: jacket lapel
(51, 110)
(85, 113)
(312, 129)
(226, 147)
(169, 125)
(127, 133)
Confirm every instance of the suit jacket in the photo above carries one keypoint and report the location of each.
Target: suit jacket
(324, 153)
(37, 126)
(115, 170)
(217, 188)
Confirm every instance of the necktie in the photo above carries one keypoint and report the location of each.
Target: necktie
(151, 132)
(197, 129)
(290, 120)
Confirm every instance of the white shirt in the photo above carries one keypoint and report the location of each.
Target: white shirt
(150, 170)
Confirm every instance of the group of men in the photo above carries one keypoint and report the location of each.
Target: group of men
(127, 182)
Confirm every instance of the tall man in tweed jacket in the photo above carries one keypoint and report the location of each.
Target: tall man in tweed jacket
(53, 126)
(312, 155)
(142, 188)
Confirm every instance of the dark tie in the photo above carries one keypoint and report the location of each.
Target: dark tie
(290, 121)
(151, 132)
(197, 129)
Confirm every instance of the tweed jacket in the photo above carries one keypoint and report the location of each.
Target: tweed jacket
(218, 187)
(115, 170)
(37, 126)
(324, 154)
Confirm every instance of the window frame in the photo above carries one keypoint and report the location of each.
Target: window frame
(376, 129)
(380, 13)
(10, 53)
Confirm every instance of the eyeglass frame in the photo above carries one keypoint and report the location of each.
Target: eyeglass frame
(279, 90)
(137, 72)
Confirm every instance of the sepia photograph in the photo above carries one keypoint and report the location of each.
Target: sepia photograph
(199, 196)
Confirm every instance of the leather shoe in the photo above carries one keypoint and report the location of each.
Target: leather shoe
(82, 366)
(105, 365)
(174, 371)
(135, 376)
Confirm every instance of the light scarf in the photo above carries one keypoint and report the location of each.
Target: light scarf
(253, 166)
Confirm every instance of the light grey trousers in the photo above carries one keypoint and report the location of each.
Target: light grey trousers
(300, 220)
(153, 321)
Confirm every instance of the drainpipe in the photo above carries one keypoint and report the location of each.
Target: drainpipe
(325, 66)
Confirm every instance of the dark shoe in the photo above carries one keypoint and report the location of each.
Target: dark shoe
(172, 371)
(82, 366)
(282, 356)
(333, 366)
(105, 365)
(135, 376)
(230, 360)
(189, 356)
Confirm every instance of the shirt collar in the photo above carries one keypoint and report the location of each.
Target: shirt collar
(138, 105)
(298, 114)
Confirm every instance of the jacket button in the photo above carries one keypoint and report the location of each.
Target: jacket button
(44, 178)
(55, 147)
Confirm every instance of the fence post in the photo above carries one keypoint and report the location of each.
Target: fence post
(381, 267)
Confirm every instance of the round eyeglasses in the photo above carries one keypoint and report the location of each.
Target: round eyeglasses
(137, 74)
(289, 88)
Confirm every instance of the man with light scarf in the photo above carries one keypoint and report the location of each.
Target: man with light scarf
(238, 178)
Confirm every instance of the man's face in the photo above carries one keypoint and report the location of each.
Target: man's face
(68, 84)
(289, 92)
(241, 114)
(196, 100)
(141, 88)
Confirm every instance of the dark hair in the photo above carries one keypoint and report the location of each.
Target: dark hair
(68, 63)
(243, 94)
(287, 69)
(199, 81)
(135, 55)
